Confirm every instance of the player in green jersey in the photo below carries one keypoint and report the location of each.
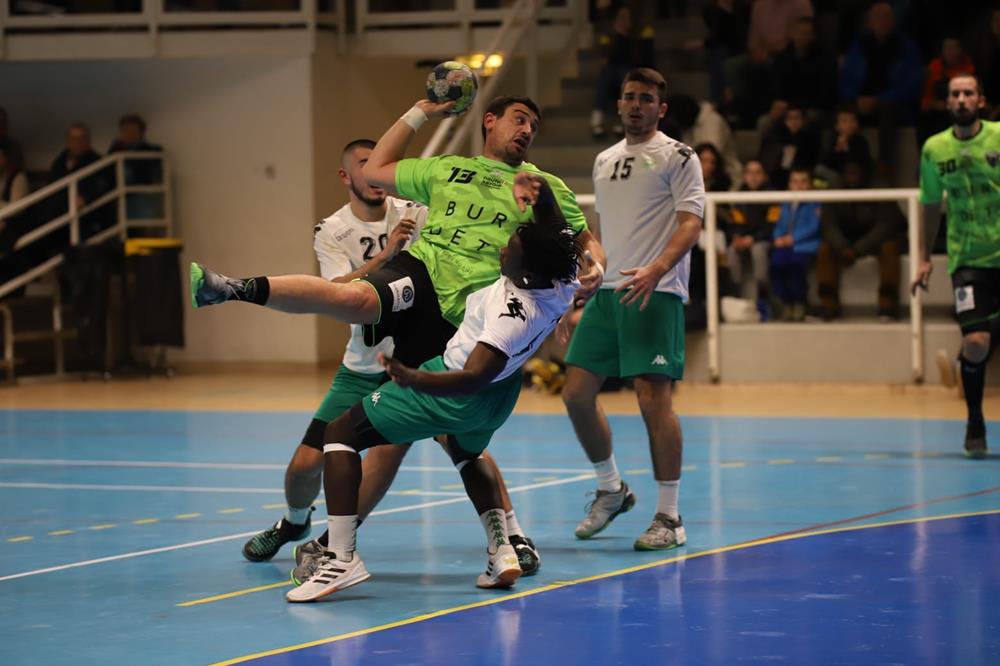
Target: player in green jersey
(964, 161)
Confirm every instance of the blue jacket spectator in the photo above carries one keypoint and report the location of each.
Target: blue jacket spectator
(801, 222)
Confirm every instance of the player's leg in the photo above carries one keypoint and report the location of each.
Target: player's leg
(591, 357)
(527, 554)
(977, 304)
(352, 302)
(655, 396)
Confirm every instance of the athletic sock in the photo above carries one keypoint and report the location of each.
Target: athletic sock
(495, 523)
(973, 380)
(343, 536)
(608, 477)
(297, 517)
(667, 503)
(513, 527)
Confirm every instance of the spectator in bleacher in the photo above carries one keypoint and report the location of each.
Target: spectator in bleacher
(77, 155)
(804, 73)
(749, 234)
(796, 241)
(856, 229)
(692, 123)
(952, 61)
(622, 51)
(713, 168)
(727, 22)
(881, 76)
(793, 143)
(987, 60)
(771, 24)
(132, 137)
(847, 144)
(13, 180)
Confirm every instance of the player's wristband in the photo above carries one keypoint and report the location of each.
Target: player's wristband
(415, 117)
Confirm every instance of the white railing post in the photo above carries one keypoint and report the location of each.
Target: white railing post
(914, 232)
(74, 224)
(120, 188)
(168, 196)
(712, 292)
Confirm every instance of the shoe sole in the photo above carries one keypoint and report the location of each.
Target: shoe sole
(625, 507)
(197, 279)
(505, 578)
(328, 592)
(976, 455)
(641, 546)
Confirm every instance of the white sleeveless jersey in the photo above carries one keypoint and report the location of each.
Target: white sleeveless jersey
(343, 244)
(512, 320)
(639, 191)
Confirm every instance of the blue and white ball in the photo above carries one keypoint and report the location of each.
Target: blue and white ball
(453, 82)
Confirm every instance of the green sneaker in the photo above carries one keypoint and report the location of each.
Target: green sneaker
(264, 545)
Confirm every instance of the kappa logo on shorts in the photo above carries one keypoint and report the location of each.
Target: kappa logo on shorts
(376, 396)
(402, 294)
(659, 360)
(965, 299)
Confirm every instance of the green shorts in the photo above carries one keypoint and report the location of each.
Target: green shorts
(404, 415)
(621, 341)
(347, 389)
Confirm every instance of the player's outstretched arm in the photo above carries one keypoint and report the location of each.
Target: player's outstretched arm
(380, 170)
(482, 366)
(932, 220)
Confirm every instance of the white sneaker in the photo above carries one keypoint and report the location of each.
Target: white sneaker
(607, 506)
(331, 575)
(502, 569)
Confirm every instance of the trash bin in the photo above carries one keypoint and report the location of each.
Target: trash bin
(155, 294)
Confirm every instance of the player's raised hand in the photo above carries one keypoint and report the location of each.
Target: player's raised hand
(435, 110)
(641, 284)
(399, 237)
(591, 278)
(923, 278)
(397, 371)
(527, 187)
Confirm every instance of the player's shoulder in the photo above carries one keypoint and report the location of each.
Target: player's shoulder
(402, 205)
(611, 152)
(330, 225)
(940, 142)
(555, 182)
(671, 148)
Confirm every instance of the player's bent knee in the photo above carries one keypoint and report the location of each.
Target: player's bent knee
(976, 346)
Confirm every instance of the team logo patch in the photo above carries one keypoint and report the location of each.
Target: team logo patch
(659, 360)
(402, 294)
(515, 309)
(965, 299)
(376, 396)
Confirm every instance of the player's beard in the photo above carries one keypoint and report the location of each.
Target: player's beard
(964, 117)
(366, 200)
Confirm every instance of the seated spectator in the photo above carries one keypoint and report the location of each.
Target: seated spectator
(623, 51)
(796, 241)
(749, 233)
(847, 144)
(934, 116)
(13, 180)
(791, 144)
(771, 24)
(987, 60)
(727, 22)
(132, 137)
(881, 76)
(716, 178)
(856, 229)
(804, 72)
(693, 123)
(77, 155)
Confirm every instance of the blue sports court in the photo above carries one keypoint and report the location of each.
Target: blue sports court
(839, 541)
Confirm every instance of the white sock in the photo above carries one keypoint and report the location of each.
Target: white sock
(608, 477)
(668, 497)
(495, 523)
(297, 516)
(513, 527)
(343, 536)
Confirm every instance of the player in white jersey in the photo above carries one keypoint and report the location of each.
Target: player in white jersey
(650, 201)
(469, 392)
(360, 237)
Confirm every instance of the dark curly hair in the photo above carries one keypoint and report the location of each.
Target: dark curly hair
(551, 249)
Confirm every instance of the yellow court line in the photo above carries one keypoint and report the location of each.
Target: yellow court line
(781, 461)
(18, 539)
(610, 574)
(876, 456)
(828, 459)
(187, 516)
(279, 505)
(145, 521)
(233, 510)
(731, 465)
(456, 486)
(544, 478)
(105, 526)
(237, 593)
(637, 471)
(60, 532)
(689, 468)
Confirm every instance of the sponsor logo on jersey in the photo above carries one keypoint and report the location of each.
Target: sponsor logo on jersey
(347, 233)
(965, 299)
(376, 396)
(402, 294)
(515, 309)
(659, 360)
(494, 180)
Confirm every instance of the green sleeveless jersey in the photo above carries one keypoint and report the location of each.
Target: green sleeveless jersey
(969, 171)
(472, 214)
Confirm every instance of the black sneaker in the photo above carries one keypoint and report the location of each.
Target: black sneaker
(264, 545)
(527, 555)
(975, 440)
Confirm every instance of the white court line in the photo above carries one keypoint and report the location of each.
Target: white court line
(243, 535)
(66, 462)
(189, 489)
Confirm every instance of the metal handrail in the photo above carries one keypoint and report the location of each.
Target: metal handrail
(714, 199)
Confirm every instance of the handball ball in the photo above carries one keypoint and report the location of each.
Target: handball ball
(453, 82)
